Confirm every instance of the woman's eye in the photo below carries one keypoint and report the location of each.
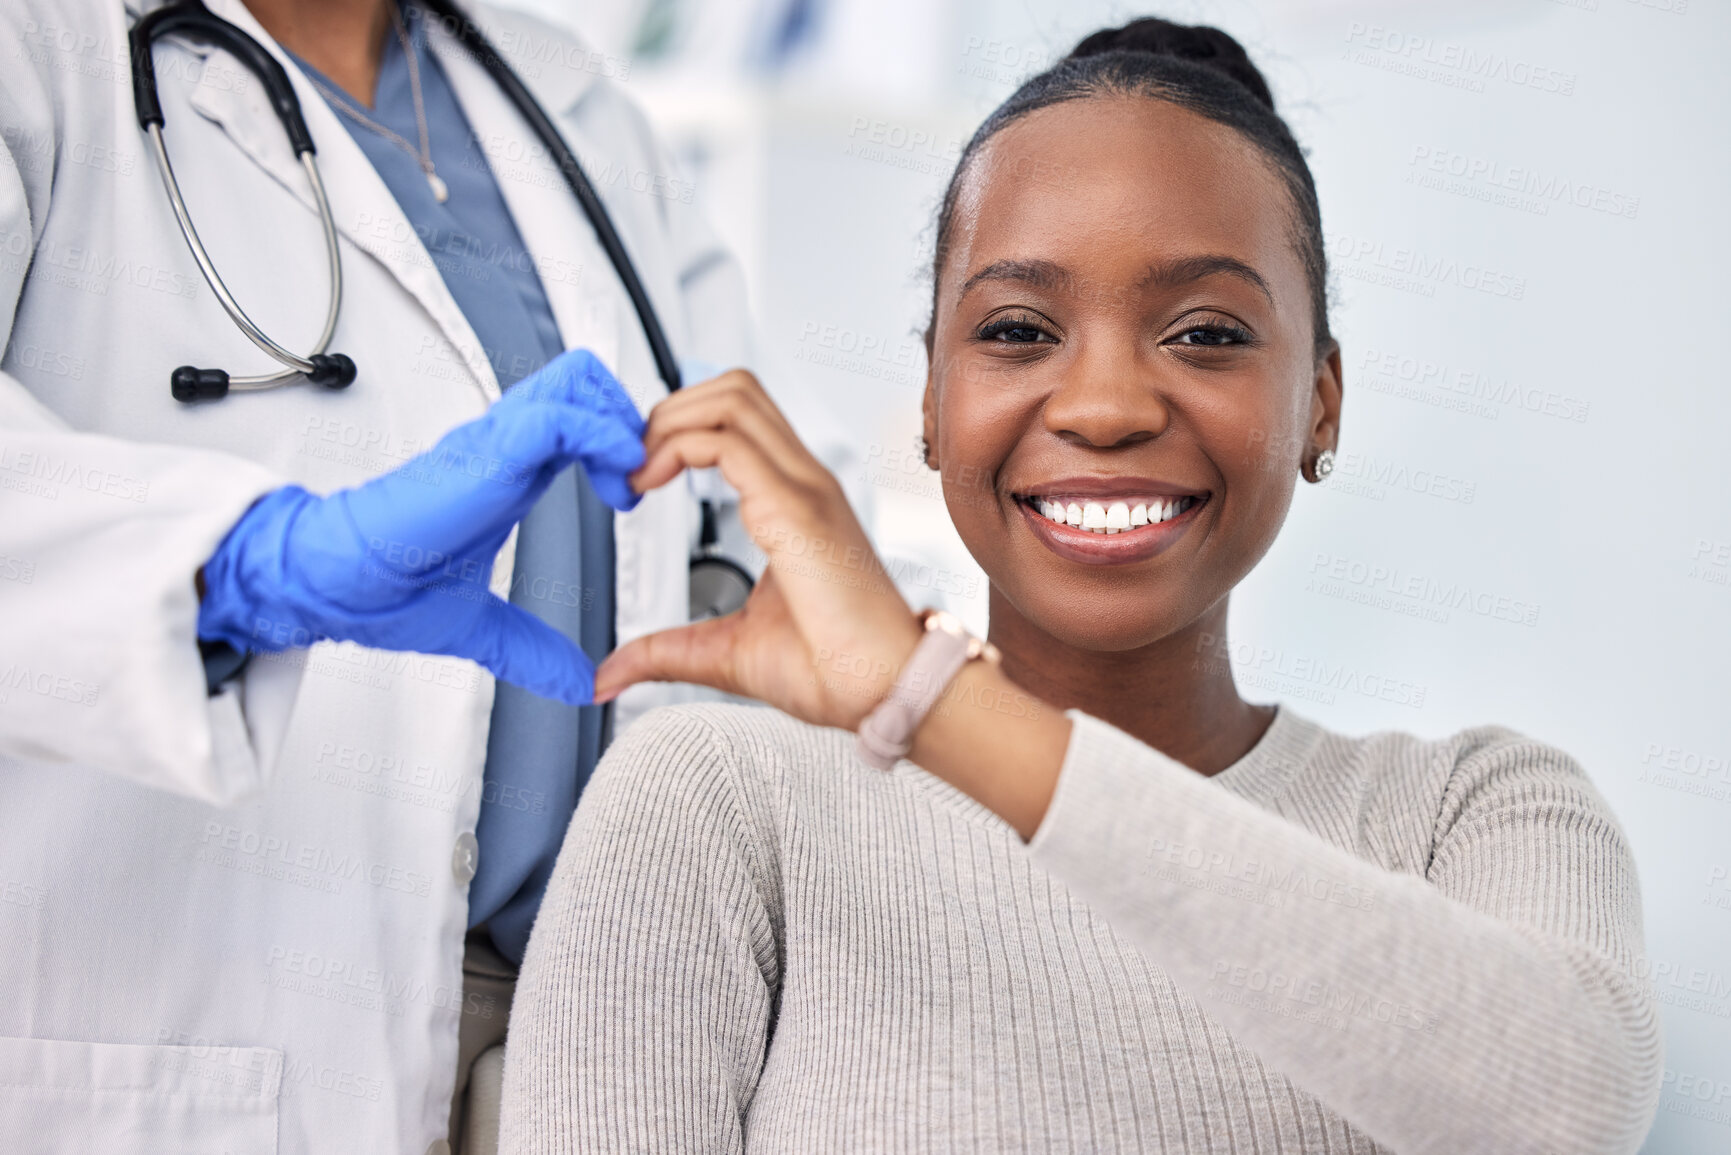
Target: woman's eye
(1213, 335)
(1014, 331)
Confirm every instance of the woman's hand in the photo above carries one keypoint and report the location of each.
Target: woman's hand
(825, 632)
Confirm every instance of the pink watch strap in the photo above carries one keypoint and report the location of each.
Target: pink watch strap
(887, 734)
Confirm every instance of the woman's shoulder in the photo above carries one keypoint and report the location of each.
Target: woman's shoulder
(1470, 773)
(1473, 754)
(699, 741)
(1471, 746)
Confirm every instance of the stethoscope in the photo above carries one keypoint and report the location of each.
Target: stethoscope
(718, 584)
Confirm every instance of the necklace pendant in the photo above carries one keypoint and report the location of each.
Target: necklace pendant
(441, 193)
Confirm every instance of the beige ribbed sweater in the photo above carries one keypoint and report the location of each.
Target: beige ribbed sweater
(755, 942)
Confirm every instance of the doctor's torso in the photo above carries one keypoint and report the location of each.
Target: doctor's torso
(292, 963)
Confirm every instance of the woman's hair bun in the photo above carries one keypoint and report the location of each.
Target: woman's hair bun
(1199, 44)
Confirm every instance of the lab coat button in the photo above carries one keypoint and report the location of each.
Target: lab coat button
(465, 857)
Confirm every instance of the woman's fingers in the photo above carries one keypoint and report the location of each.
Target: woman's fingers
(736, 388)
(701, 653)
(743, 463)
(733, 401)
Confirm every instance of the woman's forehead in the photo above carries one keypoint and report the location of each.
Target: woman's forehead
(1120, 181)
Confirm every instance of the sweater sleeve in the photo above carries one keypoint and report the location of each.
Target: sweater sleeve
(1492, 1006)
(644, 1004)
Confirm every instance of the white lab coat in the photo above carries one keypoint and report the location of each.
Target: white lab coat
(235, 924)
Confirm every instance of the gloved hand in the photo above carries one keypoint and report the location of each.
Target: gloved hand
(403, 562)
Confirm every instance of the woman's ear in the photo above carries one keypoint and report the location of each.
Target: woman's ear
(929, 420)
(1325, 400)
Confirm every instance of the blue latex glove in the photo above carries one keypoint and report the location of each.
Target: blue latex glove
(403, 561)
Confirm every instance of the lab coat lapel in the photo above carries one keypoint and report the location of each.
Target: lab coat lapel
(652, 541)
(364, 210)
(553, 65)
(581, 288)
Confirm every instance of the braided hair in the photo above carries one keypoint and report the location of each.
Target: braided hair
(1194, 67)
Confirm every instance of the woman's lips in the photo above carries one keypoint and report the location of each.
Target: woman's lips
(1137, 543)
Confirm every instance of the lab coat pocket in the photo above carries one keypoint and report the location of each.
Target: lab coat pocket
(125, 1099)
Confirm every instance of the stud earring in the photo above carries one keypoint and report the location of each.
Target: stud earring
(923, 449)
(1324, 464)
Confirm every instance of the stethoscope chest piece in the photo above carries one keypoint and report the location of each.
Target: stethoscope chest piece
(719, 585)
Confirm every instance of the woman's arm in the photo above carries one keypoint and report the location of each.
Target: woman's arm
(1493, 1006)
(645, 1001)
(1490, 1006)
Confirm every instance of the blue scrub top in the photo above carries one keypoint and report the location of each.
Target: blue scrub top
(539, 752)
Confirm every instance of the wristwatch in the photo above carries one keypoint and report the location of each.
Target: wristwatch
(887, 733)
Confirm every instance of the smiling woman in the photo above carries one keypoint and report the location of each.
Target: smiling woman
(1102, 903)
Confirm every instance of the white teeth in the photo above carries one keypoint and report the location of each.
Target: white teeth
(1112, 517)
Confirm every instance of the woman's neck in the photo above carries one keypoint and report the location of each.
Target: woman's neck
(343, 39)
(1177, 695)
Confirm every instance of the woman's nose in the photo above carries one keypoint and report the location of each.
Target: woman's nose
(1104, 402)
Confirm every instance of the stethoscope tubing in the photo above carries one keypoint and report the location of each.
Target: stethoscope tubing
(192, 18)
(472, 38)
(297, 365)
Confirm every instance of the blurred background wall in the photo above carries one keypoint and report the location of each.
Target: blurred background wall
(1531, 518)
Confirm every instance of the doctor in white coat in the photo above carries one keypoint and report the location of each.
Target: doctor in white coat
(233, 920)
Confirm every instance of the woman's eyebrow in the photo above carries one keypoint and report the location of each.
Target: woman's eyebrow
(1038, 273)
(1049, 275)
(1185, 270)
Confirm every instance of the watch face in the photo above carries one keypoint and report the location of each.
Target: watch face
(718, 587)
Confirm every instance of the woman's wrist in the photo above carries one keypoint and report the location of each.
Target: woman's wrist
(996, 743)
(864, 676)
(944, 646)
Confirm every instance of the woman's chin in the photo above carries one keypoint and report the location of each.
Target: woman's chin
(1113, 624)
